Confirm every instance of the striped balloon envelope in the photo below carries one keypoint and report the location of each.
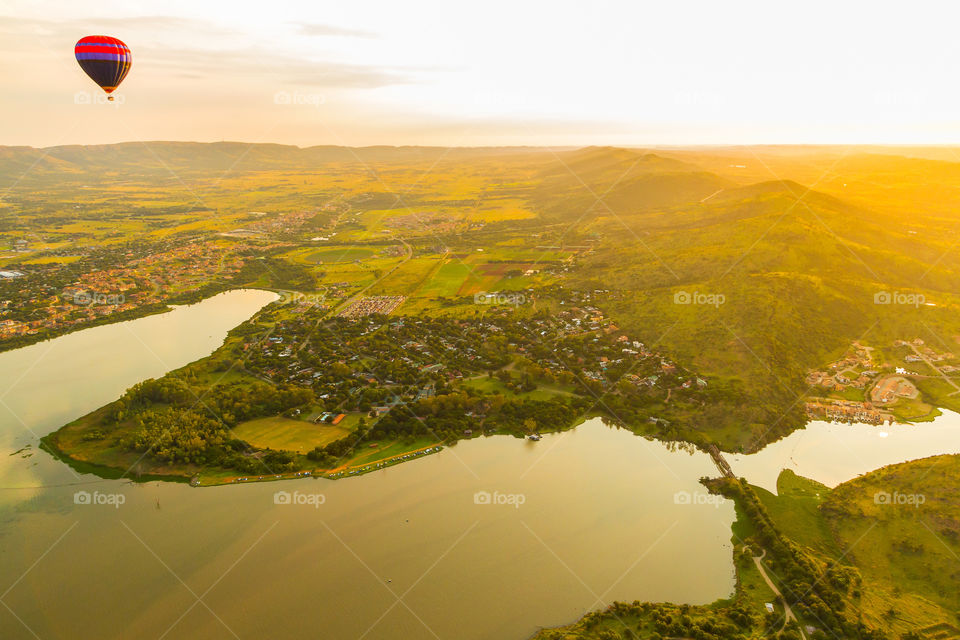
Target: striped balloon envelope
(106, 60)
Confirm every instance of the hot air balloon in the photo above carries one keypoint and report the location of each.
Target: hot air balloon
(106, 60)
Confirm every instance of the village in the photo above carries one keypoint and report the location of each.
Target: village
(376, 365)
(134, 281)
(369, 305)
(860, 388)
(56, 290)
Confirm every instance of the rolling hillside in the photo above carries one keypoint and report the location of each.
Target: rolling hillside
(797, 272)
(216, 158)
(624, 180)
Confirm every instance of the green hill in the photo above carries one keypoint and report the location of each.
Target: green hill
(900, 525)
(625, 181)
(797, 272)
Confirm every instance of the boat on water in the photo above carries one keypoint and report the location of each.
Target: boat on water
(533, 436)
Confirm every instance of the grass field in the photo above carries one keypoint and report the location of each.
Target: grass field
(796, 510)
(468, 274)
(290, 435)
(446, 282)
(408, 278)
(367, 454)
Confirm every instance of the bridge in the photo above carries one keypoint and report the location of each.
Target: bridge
(720, 461)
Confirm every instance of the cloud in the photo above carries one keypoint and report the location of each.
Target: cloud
(168, 43)
(70, 29)
(273, 67)
(321, 30)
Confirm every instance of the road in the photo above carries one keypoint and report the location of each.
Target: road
(936, 368)
(359, 294)
(711, 195)
(788, 612)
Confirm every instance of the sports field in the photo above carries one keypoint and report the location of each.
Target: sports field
(284, 433)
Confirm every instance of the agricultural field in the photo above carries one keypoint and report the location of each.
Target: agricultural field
(336, 255)
(409, 277)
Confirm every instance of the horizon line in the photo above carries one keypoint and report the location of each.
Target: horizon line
(724, 145)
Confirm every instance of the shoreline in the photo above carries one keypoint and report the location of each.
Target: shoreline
(156, 308)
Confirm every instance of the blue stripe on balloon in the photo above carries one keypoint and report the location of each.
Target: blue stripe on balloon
(87, 55)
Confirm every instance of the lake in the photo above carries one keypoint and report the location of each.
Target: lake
(832, 453)
(573, 521)
(492, 537)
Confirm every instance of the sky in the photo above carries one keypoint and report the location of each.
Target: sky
(517, 72)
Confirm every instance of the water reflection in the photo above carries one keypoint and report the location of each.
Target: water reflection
(832, 453)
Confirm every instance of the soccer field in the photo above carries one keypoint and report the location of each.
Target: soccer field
(284, 433)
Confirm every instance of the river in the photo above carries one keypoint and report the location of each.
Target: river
(492, 537)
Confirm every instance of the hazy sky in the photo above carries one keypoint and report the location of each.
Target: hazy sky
(493, 72)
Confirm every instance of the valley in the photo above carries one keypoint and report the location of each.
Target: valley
(426, 300)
